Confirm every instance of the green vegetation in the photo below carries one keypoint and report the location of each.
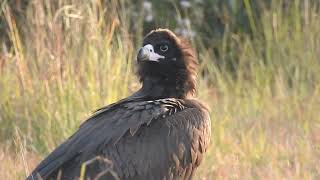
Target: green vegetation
(261, 80)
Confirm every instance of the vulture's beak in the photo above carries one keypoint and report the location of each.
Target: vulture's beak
(146, 53)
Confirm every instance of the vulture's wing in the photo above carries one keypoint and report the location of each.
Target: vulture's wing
(170, 148)
(103, 132)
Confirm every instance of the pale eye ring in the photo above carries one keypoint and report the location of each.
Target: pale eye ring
(164, 48)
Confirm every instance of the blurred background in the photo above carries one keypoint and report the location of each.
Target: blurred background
(259, 73)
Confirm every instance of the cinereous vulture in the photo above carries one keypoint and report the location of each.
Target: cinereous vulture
(159, 132)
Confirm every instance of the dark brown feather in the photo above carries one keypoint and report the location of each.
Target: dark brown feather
(156, 133)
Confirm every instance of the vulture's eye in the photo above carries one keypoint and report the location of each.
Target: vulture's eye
(164, 48)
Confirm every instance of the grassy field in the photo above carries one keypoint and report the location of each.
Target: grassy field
(72, 57)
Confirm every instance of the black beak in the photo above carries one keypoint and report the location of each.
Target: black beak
(143, 54)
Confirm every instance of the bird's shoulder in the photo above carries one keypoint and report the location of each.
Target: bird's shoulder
(131, 115)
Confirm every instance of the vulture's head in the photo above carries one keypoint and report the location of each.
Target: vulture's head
(169, 61)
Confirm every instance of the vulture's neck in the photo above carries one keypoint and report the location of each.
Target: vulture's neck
(157, 88)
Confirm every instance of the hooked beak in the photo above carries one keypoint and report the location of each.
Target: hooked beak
(146, 53)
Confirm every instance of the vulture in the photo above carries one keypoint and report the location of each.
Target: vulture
(160, 132)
